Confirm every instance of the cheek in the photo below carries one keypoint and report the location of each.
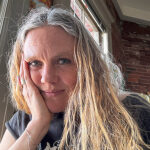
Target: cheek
(70, 79)
(36, 77)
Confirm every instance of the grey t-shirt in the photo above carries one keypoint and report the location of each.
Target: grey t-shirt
(17, 124)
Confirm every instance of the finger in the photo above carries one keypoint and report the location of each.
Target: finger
(26, 73)
(25, 90)
(20, 76)
(18, 80)
(21, 68)
(29, 83)
(25, 94)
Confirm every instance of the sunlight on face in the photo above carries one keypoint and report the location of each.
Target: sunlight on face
(49, 52)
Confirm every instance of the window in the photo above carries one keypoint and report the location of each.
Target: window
(85, 13)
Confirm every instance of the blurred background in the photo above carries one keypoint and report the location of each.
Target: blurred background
(120, 27)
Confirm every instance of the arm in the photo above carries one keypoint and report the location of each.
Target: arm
(7, 141)
(24, 141)
(38, 126)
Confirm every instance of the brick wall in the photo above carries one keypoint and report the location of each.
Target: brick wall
(131, 49)
(136, 49)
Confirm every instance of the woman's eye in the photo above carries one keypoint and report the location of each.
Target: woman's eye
(62, 61)
(35, 63)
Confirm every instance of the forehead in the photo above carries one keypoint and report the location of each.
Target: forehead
(48, 32)
(48, 39)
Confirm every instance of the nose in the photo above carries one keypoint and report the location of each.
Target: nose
(49, 75)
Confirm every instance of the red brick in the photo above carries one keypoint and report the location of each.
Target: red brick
(131, 48)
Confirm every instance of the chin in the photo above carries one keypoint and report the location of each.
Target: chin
(56, 105)
(55, 109)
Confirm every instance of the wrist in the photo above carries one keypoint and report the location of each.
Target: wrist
(30, 141)
(41, 119)
(37, 130)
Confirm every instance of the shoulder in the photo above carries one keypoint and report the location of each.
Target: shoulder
(139, 109)
(136, 101)
(137, 106)
(17, 124)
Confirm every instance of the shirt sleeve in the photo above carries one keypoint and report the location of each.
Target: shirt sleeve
(17, 124)
(139, 109)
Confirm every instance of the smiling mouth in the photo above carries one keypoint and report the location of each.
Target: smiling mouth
(52, 93)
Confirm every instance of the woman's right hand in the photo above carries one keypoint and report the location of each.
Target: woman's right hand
(41, 116)
(32, 95)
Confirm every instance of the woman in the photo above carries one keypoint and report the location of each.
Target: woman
(68, 93)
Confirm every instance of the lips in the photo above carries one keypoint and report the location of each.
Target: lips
(52, 93)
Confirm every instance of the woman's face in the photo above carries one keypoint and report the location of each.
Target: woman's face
(49, 52)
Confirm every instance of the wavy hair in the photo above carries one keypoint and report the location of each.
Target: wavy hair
(95, 118)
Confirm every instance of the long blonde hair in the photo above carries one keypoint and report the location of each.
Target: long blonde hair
(95, 118)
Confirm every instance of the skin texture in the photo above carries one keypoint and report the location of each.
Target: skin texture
(48, 52)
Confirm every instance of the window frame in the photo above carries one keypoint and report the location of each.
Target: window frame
(102, 19)
(87, 13)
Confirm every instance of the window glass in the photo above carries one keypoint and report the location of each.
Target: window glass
(77, 9)
(92, 28)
